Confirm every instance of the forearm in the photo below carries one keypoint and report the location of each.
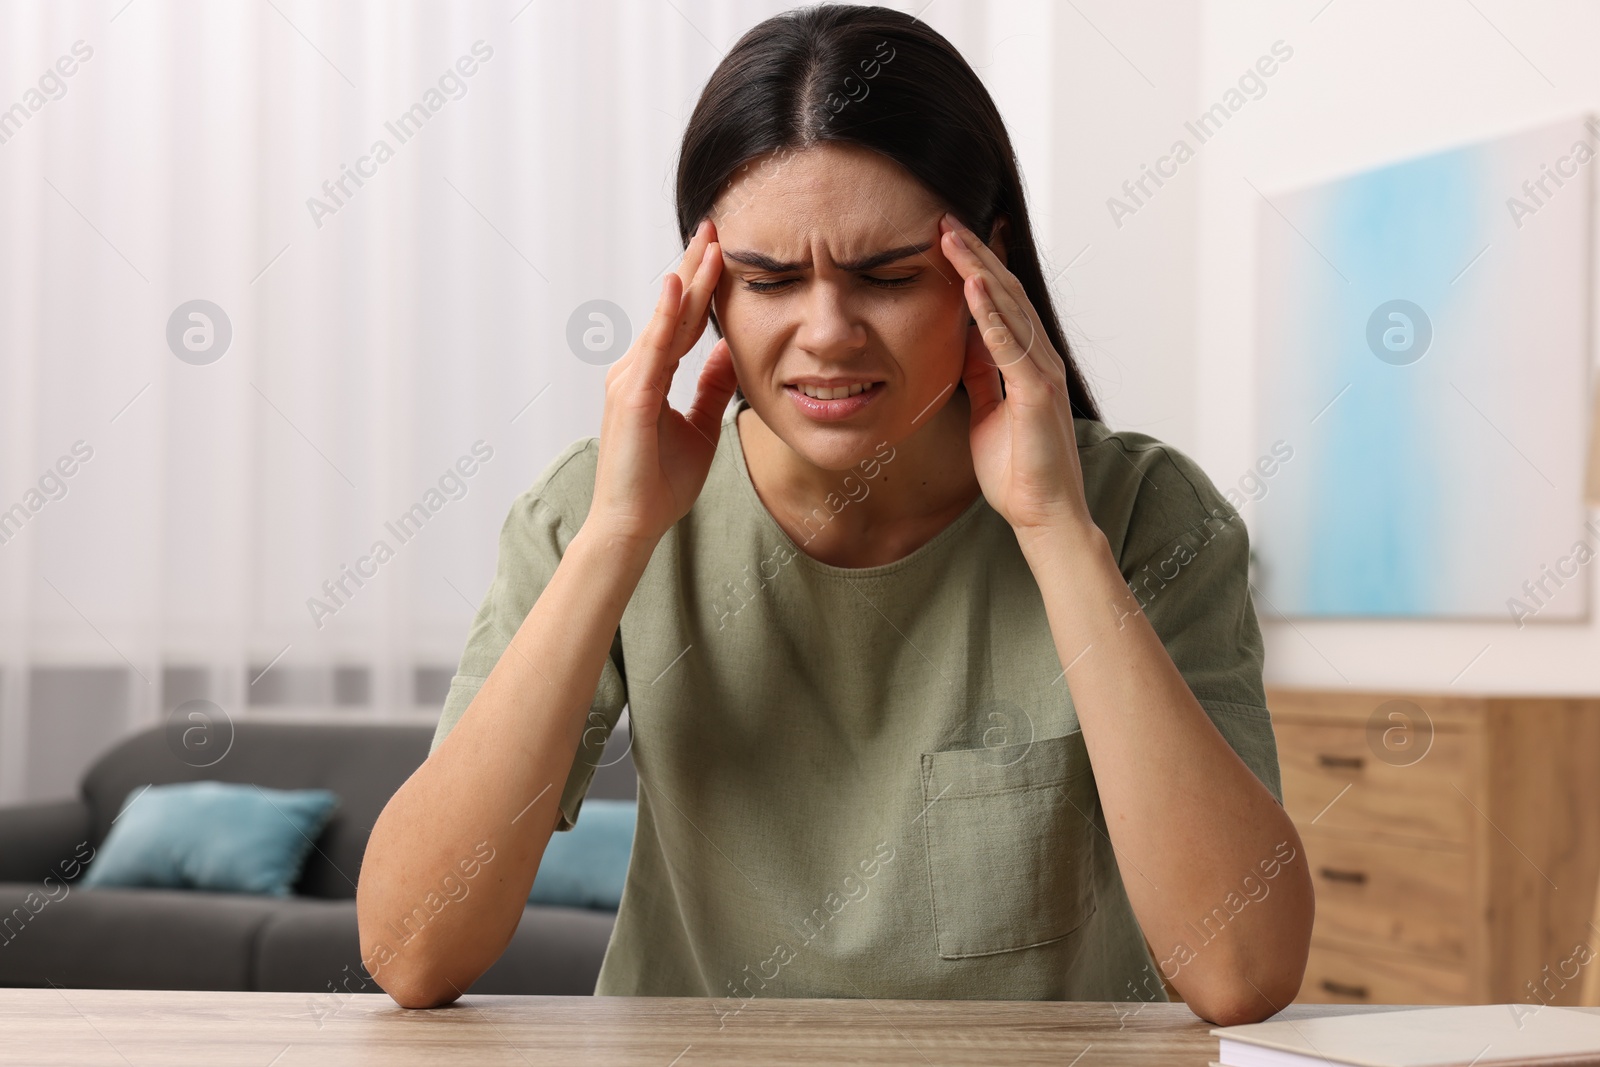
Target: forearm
(1187, 818)
(493, 783)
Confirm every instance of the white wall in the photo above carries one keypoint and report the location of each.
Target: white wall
(1372, 82)
(1125, 76)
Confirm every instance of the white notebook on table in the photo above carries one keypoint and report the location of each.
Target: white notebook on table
(1488, 1035)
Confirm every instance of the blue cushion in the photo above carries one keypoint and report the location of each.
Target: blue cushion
(212, 835)
(584, 867)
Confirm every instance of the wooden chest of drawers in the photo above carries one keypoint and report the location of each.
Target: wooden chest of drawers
(1454, 843)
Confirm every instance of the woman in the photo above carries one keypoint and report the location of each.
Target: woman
(938, 687)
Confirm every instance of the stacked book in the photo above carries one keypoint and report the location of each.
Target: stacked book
(1492, 1035)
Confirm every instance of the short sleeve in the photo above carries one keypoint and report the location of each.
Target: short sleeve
(535, 534)
(1195, 591)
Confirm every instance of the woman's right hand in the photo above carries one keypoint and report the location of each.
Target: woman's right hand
(654, 461)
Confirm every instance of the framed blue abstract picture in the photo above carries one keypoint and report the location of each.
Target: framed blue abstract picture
(1423, 346)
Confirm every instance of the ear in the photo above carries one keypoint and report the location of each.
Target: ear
(998, 236)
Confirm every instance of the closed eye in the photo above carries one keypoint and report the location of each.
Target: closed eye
(882, 283)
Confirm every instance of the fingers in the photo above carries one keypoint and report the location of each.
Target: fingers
(657, 332)
(981, 377)
(693, 313)
(689, 265)
(977, 255)
(680, 312)
(683, 324)
(1011, 328)
(1006, 349)
(717, 383)
(644, 362)
(703, 254)
(1007, 327)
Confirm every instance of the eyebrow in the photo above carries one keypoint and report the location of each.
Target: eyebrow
(877, 259)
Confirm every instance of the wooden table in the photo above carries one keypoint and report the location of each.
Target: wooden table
(132, 1028)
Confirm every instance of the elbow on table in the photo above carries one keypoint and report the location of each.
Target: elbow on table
(418, 991)
(1246, 999)
(411, 959)
(414, 976)
(1263, 975)
(1234, 1011)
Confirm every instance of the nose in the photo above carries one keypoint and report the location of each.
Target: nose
(830, 327)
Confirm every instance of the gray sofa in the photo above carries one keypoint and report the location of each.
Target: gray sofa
(53, 932)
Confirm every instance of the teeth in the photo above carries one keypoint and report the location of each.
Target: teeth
(838, 393)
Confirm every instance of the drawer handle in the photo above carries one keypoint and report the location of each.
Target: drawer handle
(1339, 989)
(1352, 763)
(1333, 874)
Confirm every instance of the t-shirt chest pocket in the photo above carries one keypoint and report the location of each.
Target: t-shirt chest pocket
(1011, 844)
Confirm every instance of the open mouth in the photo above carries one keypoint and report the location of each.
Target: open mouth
(827, 403)
(839, 392)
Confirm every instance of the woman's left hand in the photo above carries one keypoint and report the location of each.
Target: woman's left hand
(1024, 446)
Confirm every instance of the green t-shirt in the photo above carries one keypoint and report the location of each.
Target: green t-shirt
(871, 782)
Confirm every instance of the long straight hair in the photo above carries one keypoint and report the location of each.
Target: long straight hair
(883, 80)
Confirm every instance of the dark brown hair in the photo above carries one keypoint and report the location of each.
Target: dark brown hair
(881, 79)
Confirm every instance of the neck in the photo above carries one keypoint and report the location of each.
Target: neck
(913, 491)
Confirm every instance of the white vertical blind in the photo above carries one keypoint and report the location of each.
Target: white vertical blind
(375, 339)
